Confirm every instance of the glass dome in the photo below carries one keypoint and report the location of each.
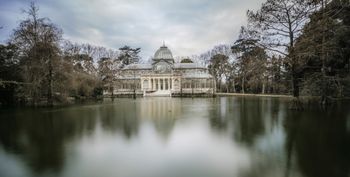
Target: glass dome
(163, 53)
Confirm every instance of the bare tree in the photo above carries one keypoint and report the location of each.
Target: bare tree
(217, 68)
(281, 23)
(251, 61)
(38, 42)
(108, 68)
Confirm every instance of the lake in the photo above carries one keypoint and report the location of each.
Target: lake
(176, 137)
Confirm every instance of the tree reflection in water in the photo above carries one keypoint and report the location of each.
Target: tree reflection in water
(320, 141)
(225, 136)
(39, 135)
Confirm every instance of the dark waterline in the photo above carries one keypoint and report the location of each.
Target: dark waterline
(174, 137)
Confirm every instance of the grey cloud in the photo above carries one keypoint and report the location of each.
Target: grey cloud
(188, 26)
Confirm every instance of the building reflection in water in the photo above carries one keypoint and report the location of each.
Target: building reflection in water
(243, 137)
(162, 112)
(160, 108)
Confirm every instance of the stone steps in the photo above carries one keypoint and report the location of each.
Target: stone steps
(159, 93)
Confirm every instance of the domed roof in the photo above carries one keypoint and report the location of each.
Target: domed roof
(163, 53)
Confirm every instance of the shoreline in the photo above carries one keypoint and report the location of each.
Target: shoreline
(304, 98)
(253, 95)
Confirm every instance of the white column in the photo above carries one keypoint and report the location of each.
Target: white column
(154, 84)
(169, 84)
(141, 83)
(158, 84)
(163, 83)
(149, 84)
(172, 83)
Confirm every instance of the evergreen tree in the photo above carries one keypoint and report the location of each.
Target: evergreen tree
(325, 48)
(129, 55)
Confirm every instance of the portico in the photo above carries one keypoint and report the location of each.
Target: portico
(160, 83)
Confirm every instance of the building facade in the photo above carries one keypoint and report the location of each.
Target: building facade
(164, 77)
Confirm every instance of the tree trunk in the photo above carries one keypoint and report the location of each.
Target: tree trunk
(295, 85)
(112, 94)
(273, 85)
(112, 90)
(234, 85)
(49, 89)
(296, 102)
(227, 90)
(263, 88)
(324, 88)
(35, 98)
(218, 85)
(243, 85)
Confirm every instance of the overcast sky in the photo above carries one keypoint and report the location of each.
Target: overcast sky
(188, 27)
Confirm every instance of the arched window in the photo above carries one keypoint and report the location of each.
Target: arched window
(176, 83)
(145, 84)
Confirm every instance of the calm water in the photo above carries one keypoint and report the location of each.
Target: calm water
(171, 137)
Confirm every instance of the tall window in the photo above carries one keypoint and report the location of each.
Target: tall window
(145, 84)
(166, 84)
(157, 84)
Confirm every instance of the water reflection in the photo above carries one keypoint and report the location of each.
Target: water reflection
(162, 112)
(320, 141)
(121, 117)
(176, 137)
(39, 136)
